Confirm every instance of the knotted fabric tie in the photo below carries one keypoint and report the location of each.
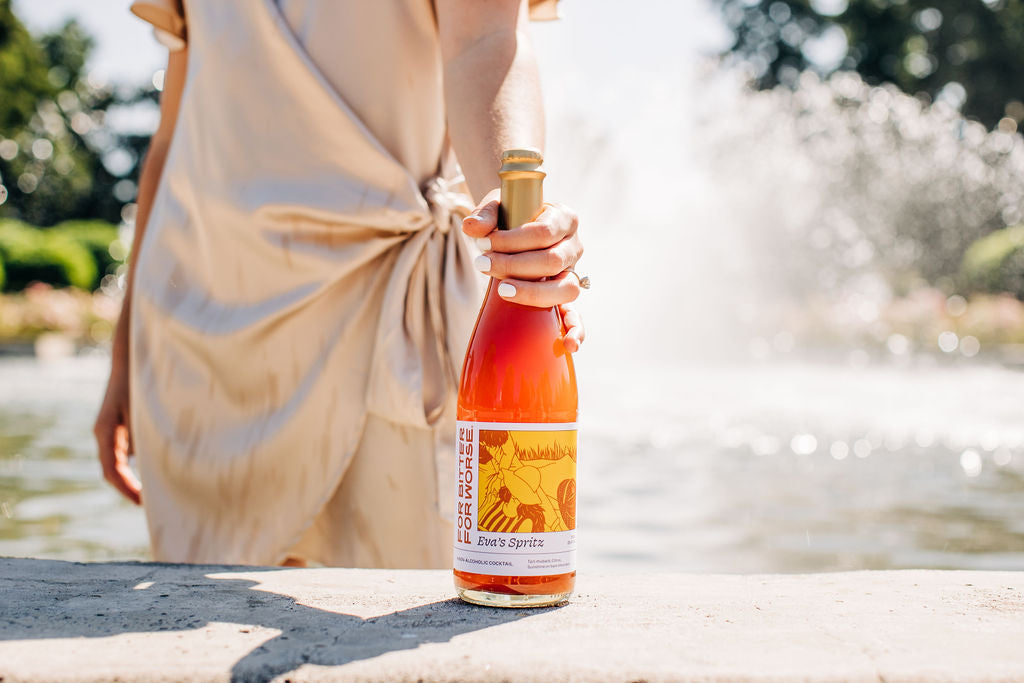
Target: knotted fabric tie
(447, 200)
(427, 312)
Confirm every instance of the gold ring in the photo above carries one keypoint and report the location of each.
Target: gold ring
(584, 280)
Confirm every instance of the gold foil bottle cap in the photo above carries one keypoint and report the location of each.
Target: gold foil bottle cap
(524, 154)
(523, 159)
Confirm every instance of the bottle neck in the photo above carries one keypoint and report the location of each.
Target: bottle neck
(522, 188)
(522, 199)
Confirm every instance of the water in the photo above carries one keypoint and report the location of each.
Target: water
(53, 500)
(794, 467)
(728, 469)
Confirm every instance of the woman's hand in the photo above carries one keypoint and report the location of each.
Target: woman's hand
(113, 432)
(533, 260)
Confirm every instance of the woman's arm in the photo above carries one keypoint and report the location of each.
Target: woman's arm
(149, 179)
(491, 84)
(113, 424)
(493, 98)
(156, 155)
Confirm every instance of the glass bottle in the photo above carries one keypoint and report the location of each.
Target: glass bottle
(515, 517)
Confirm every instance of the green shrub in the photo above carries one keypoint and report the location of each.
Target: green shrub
(34, 255)
(995, 263)
(3, 275)
(96, 236)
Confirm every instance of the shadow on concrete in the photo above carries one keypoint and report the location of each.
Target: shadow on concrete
(98, 607)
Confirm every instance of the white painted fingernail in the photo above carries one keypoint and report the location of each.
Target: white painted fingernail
(506, 291)
(484, 243)
(482, 263)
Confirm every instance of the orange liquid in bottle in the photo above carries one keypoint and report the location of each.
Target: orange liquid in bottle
(517, 371)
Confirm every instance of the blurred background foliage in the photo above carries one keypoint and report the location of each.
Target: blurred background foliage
(870, 153)
(995, 263)
(971, 49)
(67, 181)
(58, 161)
(69, 254)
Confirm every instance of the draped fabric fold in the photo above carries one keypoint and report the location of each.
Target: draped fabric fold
(295, 277)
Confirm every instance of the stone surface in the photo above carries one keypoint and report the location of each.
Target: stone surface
(144, 622)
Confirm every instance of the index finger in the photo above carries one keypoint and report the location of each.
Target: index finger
(554, 224)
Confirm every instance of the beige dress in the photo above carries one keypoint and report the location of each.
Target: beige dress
(304, 294)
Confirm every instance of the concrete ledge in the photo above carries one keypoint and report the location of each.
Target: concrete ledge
(74, 622)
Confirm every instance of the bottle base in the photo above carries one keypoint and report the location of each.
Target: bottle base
(489, 599)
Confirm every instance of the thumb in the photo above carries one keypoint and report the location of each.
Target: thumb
(484, 218)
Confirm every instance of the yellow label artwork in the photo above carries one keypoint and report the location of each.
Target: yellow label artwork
(527, 481)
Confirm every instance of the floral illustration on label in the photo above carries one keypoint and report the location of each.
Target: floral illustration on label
(527, 481)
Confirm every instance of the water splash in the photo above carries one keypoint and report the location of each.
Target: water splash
(721, 216)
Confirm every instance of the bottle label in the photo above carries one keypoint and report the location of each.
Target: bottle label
(515, 498)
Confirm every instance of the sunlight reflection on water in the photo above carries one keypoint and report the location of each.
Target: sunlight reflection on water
(747, 468)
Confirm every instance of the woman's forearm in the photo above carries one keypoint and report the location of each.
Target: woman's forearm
(149, 179)
(492, 86)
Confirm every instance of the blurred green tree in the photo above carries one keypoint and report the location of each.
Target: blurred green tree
(972, 48)
(58, 160)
